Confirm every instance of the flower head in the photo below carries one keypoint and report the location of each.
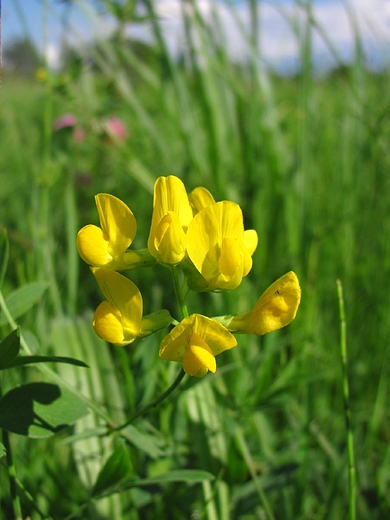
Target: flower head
(67, 120)
(275, 309)
(119, 319)
(195, 342)
(41, 74)
(106, 246)
(115, 128)
(219, 247)
(172, 214)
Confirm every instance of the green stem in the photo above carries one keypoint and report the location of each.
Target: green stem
(154, 403)
(17, 508)
(71, 232)
(178, 291)
(347, 408)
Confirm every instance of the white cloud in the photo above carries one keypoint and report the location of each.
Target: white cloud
(53, 56)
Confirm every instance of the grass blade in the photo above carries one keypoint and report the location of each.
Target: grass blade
(347, 407)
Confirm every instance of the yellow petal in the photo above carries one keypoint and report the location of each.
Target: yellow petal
(93, 247)
(117, 222)
(124, 295)
(191, 364)
(197, 356)
(250, 240)
(169, 196)
(203, 352)
(204, 237)
(247, 261)
(230, 260)
(107, 322)
(200, 198)
(234, 263)
(217, 337)
(231, 220)
(275, 309)
(170, 239)
(174, 344)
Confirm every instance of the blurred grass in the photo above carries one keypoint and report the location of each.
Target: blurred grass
(307, 159)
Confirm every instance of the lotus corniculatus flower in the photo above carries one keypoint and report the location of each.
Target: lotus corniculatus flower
(172, 214)
(119, 319)
(195, 342)
(106, 246)
(218, 246)
(275, 309)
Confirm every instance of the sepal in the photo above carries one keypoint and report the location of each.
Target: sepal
(155, 321)
(138, 258)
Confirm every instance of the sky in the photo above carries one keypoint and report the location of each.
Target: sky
(277, 17)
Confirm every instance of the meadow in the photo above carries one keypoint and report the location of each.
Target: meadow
(270, 435)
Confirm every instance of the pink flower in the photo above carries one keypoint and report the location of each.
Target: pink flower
(115, 128)
(65, 121)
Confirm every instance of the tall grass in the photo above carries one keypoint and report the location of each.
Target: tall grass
(307, 160)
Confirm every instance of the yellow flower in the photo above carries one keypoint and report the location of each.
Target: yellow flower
(219, 247)
(41, 74)
(119, 319)
(275, 309)
(106, 246)
(200, 198)
(195, 342)
(171, 215)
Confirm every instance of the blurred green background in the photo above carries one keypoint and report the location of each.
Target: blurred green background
(307, 157)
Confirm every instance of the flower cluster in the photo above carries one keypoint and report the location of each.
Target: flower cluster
(208, 240)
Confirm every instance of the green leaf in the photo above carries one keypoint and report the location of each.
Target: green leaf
(22, 299)
(39, 410)
(145, 442)
(27, 360)
(115, 469)
(2, 450)
(9, 348)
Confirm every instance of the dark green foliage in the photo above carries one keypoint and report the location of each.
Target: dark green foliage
(39, 409)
